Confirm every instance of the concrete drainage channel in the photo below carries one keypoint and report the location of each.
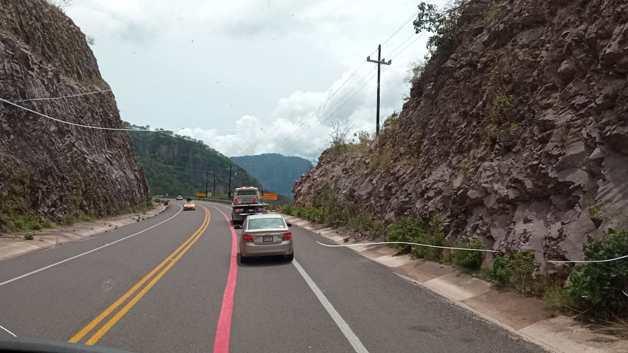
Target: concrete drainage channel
(522, 316)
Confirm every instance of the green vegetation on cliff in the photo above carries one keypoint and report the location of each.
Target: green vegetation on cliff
(175, 164)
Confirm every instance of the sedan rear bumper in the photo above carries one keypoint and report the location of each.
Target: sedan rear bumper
(252, 249)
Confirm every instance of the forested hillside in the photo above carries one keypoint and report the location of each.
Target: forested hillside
(176, 164)
(276, 172)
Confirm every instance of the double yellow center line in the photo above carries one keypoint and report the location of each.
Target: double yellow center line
(138, 290)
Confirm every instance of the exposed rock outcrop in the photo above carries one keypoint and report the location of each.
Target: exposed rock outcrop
(48, 169)
(517, 135)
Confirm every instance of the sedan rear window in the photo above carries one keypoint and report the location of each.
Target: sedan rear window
(265, 223)
(246, 192)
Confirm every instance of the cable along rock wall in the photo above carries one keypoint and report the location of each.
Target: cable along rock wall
(47, 169)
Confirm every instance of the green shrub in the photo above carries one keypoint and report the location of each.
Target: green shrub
(469, 260)
(418, 231)
(312, 214)
(601, 288)
(443, 24)
(555, 297)
(406, 230)
(27, 222)
(377, 228)
(500, 272)
(287, 209)
(434, 235)
(522, 266)
(517, 271)
(366, 225)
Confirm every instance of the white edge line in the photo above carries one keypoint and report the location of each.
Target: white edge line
(478, 314)
(47, 267)
(346, 330)
(8, 331)
(355, 342)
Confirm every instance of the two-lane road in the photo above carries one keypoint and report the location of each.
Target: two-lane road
(171, 284)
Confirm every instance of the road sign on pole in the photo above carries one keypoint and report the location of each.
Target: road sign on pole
(270, 196)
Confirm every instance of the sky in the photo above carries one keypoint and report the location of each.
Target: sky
(250, 77)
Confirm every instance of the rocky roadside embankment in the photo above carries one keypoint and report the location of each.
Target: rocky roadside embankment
(515, 133)
(51, 171)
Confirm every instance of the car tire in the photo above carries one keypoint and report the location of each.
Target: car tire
(242, 259)
(288, 258)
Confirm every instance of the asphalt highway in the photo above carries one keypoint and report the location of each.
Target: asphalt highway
(172, 284)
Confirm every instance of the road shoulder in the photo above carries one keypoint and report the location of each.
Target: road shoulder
(522, 316)
(14, 245)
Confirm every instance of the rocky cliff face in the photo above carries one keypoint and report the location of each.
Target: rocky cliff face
(48, 169)
(517, 134)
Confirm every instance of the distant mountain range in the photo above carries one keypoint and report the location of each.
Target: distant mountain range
(276, 172)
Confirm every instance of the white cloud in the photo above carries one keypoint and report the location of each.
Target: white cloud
(251, 76)
(299, 125)
(253, 136)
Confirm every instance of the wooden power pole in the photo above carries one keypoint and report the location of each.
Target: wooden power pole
(380, 61)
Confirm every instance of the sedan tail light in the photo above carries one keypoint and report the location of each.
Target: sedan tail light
(254, 200)
(286, 236)
(248, 238)
(236, 201)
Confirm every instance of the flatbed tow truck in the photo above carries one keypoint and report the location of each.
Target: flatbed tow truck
(247, 200)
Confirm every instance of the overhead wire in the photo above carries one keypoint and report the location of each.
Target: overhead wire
(46, 116)
(356, 70)
(395, 53)
(64, 97)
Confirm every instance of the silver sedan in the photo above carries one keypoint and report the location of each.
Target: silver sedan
(266, 235)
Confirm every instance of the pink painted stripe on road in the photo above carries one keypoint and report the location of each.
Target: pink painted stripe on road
(223, 329)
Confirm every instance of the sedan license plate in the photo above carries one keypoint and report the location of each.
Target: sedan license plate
(268, 239)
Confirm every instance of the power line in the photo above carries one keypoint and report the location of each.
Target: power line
(395, 50)
(64, 97)
(398, 51)
(69, 122)
(355, 71)
(399, 29)
(351, 94)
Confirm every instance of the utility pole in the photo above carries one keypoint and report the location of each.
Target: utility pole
(214, 186)
(229, 192)
(379, 63)
(206, 184)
